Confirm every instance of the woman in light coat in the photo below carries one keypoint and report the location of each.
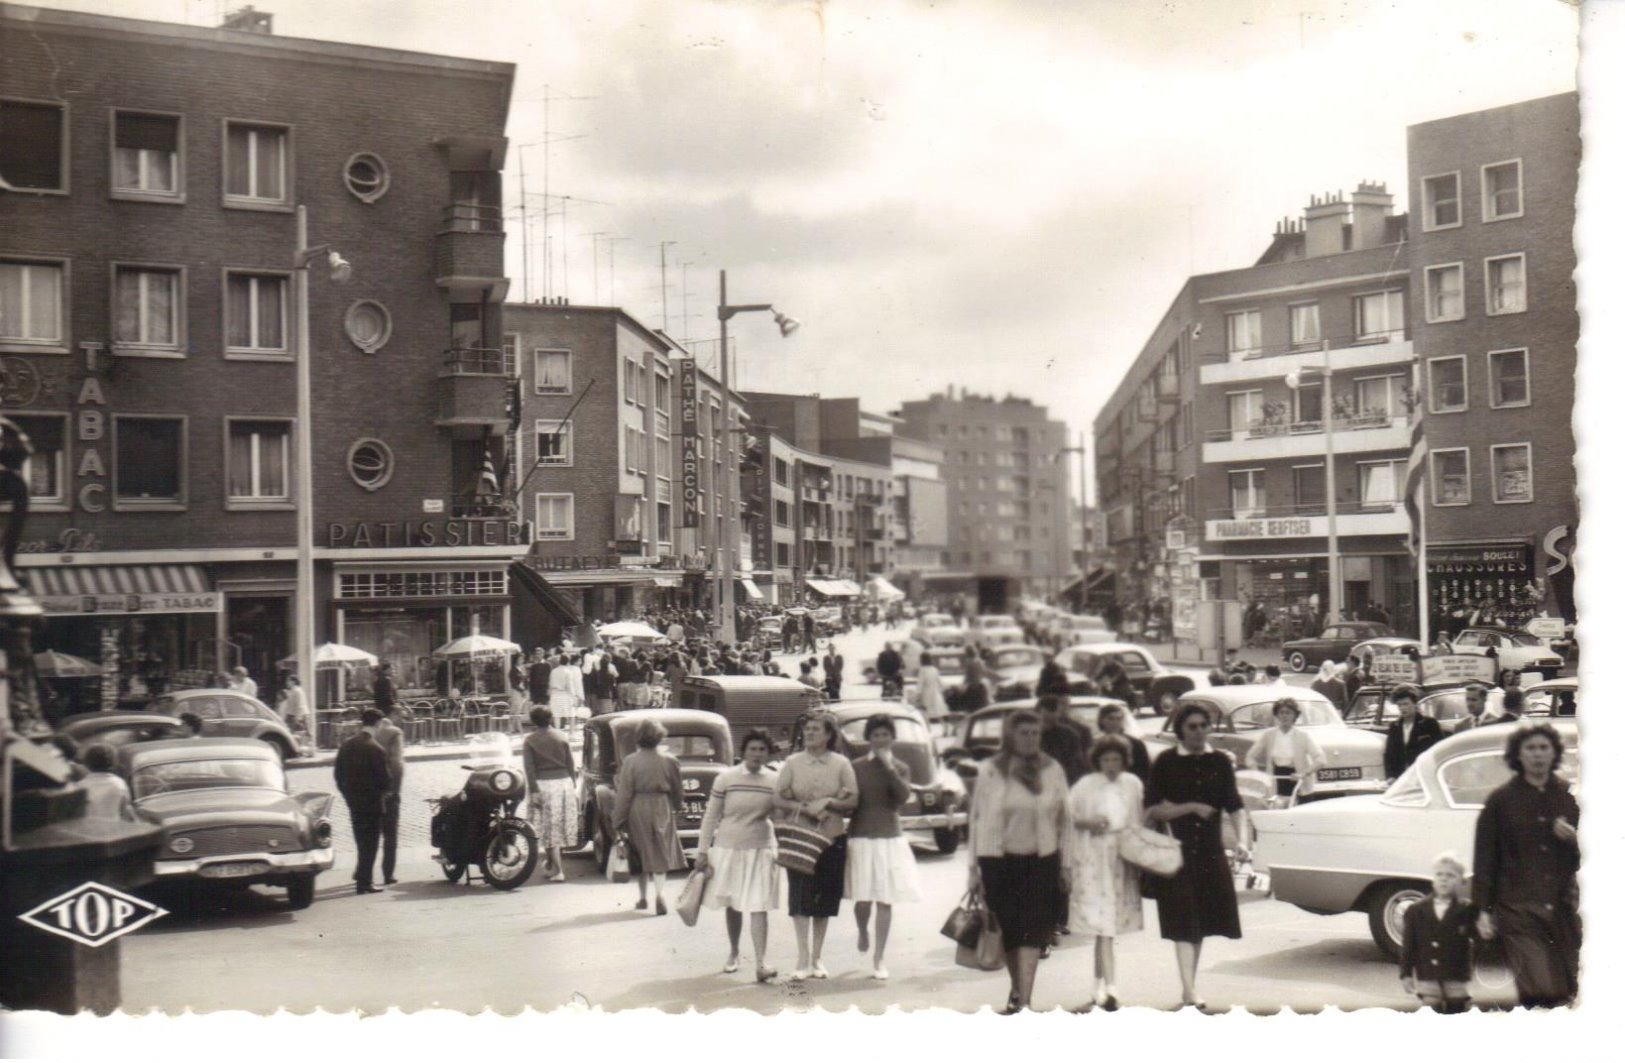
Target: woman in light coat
(929, 689)
(1105, 899)
(1289, 753)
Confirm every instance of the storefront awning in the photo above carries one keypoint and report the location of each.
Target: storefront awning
(752, 591)
(834, 588)
(538, 588)
(883, 588)
(66, 590)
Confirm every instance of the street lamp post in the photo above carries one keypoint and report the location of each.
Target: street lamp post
(1334, 582)
(304, 604)
(730, 506)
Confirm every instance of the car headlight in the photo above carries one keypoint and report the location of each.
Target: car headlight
(182, 844)
(324, 834)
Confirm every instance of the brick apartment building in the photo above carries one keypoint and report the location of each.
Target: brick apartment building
(1493, 260)
(148, 332)
(604, 488)
(1008, 503)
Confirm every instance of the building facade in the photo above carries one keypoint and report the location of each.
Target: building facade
(1493, 264)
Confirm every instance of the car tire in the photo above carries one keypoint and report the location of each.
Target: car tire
(301, 892)
(947, 839)
(1298, 661)
(1385, 913)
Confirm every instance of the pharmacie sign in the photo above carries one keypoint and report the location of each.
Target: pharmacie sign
(1266, 528)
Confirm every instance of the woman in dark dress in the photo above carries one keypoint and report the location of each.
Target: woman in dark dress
(1191, 786)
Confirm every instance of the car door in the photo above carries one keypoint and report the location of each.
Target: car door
(1139, 670)
(238, 718)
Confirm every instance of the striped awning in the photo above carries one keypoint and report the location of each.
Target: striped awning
(66, 589)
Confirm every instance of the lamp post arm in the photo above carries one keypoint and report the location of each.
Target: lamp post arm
(725, 312)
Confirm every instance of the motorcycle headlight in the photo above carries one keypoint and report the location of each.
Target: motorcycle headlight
(182, 844)
(324, 834)
(504, 782)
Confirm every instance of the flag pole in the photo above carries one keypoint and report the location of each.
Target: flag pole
(1425, 605)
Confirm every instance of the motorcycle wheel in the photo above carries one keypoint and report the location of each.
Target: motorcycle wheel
(453, 870)
(509, 855)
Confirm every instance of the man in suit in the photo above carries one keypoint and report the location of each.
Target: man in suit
(1476, 696)
(393, 741)
(1410, 735)
(361, 771)
(834, 665)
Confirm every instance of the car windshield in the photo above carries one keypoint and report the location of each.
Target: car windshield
(1017, 657)
(152, 779)
(907, 730)
(1469, 779)
(692, 749)
(1518, 638)
(1312, 712)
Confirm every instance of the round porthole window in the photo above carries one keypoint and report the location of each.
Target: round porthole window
(367, 324)
(366, 176)
(371, 463)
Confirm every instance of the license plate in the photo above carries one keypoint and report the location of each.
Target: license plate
(235, 869)
(1334, 774)
(694, 808)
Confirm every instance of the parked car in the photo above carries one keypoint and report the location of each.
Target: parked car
(1015, 673)
(1374, 854)
(1558, 697)
(995, 629)
(937, 631)
(1333, 644)
(1511, 649)
(830, 620)
(770, 703)
(232, 714)
(1373, 708)
(1386, 646)
(1072, 629)
(228, 816)
(701, 741)
(938, 802)
(1156, 686)
(1241, 715)
(121, 728)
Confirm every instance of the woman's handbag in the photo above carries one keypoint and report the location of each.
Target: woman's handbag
(1151, 851)
(799, 846)
(688, 902)
(619, 868)
(987, 954)
(965, 923)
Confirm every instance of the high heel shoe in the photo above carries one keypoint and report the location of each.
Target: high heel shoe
(660, 906)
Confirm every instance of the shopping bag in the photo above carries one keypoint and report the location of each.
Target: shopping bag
(619, 868)
(799, 845)
(964, 925)
(1151, 851)
(688, 902)
(987, 953)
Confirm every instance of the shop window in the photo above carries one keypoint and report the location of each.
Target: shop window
(258, 166)
(368, 325)
(1503, 190)
(46, 470)
(1509, 378)
(366, 176)
(147, 156)
(1504, 285)
(552, 367)
(1451, 482)
(149, 465)
(257, 315)
(1447, 384)
(1244, 333)
(1441, 195)
(371, 463)
(555, 516)
(1444, 292)
(148, 310)
(1512, 473)
(257, 461)
(553, 443)
(32, 311)
(33, 146)
(1305, 324)
(1379, 316)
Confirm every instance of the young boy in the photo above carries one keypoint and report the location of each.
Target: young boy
(1435, 960)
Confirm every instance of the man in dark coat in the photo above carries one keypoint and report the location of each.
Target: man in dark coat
(361, 772)
(834, 665)
(890, 666)
(536, 681)
(1409, 736)
(383, 688)
(1052, 679)
(1063, 739)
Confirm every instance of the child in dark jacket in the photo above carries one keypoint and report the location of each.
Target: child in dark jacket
(1435, 960)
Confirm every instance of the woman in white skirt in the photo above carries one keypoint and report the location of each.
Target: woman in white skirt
(880, 869)
(1105, 887)
(550, 769)
(736, 848)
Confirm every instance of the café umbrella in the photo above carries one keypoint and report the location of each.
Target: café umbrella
(629, 629)
(337, 655)
(54, 664)
(476, 647)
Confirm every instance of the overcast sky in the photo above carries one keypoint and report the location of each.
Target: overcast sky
(1001, 195)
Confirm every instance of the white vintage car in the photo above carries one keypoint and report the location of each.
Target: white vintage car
(1375, 853)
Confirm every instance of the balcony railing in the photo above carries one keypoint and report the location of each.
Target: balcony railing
(1265, 428)
(471, 218)
(479, 361)
(482, 508)
(1307, 509)
(1277, 350)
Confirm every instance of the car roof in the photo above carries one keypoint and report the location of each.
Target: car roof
(746, 682)
(115, 720)
(172, 750)
(847, 711)
(1494, 736)
(1562, 682)
(1234, 696)
(632, 717)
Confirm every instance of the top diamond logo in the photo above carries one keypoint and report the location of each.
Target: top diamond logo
(92, 914)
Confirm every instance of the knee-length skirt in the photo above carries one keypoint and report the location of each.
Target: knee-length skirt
(652, 830)
(1024, 895)
(819, 894)
(1200, 900)
(554, 813)
(746, 880)
(881, 870)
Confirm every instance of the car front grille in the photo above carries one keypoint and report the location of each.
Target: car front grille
(226, 841)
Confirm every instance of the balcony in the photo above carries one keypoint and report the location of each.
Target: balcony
(468, 251)
(1260, 441)
(1306, 522)
(474, 386)
(1265, 363)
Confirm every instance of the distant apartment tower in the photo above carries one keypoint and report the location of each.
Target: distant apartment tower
(1008, 504)
(1493, 259)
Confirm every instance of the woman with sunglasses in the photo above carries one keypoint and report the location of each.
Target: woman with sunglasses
(1191, 786)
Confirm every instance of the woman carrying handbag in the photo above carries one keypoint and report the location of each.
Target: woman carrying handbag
(1105, 888)
(815, 787)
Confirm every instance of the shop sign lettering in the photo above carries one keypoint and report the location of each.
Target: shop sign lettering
(1458, 668)
(126, 604)
(691, 481)
(573, 563)
(688, 398)
(91, 429)
(1266, 528)
(68, 541)
(407, 534)
(1393, 668)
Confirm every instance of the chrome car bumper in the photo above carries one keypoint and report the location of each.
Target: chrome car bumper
(311, 860)
(936, 821)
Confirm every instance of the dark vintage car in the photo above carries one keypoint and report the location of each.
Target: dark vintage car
(1155, 686)
(1333, 644)
(120, 728)
(232, 714)
(751, 702)
(227, 815)
(701, 741)
(938, 803)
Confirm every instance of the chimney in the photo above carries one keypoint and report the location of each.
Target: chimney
(1372, 204)
(247, 20)
(1323, 222)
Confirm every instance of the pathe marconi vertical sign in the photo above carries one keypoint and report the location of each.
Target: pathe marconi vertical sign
(688, 414)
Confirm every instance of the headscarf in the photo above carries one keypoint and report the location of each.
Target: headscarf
(1025, 769)
(1328, 670)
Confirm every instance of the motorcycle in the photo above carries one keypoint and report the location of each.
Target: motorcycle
(479, 825)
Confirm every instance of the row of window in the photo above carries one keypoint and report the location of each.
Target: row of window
(552, 368)
(1500, 193)
(1506, 290)
(1382, 481)
(1378, 317)
(1381, 484)
(999, 433)
(1512, 475)
(1506, 378)
(1006, 459)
